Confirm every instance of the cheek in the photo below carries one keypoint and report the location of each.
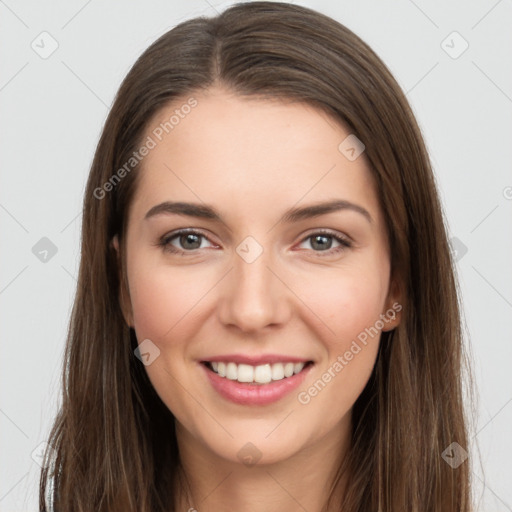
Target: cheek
(351, 305)
(163, 311)
(349, 301)
(161, 300)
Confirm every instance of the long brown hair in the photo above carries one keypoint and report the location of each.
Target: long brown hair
(113, 439)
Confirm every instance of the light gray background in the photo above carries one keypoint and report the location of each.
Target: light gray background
(53, 110)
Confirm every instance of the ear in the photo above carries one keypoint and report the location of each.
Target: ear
(124, 293)
(393, 306)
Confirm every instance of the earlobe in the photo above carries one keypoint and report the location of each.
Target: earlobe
(115, 244)
(124, 295)
(394, 307)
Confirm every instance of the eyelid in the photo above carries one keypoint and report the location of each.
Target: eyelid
(344, 240)
(184, 231)
(325, 231)
(328, 232)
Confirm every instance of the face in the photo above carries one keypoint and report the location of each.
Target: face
(256, 282)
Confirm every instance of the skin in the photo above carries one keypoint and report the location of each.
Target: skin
(252, 159)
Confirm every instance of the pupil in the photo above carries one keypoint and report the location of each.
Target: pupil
(324, 238)
(323, 244)
(190, 237)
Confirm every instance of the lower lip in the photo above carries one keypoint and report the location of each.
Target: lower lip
(255, 394)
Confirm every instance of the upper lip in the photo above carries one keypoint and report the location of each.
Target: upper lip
(255, 360)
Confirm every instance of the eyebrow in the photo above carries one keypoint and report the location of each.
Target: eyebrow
(204, 211)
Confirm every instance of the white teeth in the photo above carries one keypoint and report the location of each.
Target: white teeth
(297, 367)
(277, 371)
(245, 373)
(288, 369)
(231, 371)
(262, 374)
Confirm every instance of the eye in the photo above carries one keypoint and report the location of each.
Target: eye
(321, 242)
(189, 239)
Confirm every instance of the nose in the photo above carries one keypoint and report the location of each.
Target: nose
(254, 296)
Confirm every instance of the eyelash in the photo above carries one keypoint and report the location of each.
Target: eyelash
(164, 242)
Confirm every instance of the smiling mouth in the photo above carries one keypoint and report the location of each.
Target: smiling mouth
(260, 374)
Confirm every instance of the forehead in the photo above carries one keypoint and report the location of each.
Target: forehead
(229, 149)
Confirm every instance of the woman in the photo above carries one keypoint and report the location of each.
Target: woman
(263, 368)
